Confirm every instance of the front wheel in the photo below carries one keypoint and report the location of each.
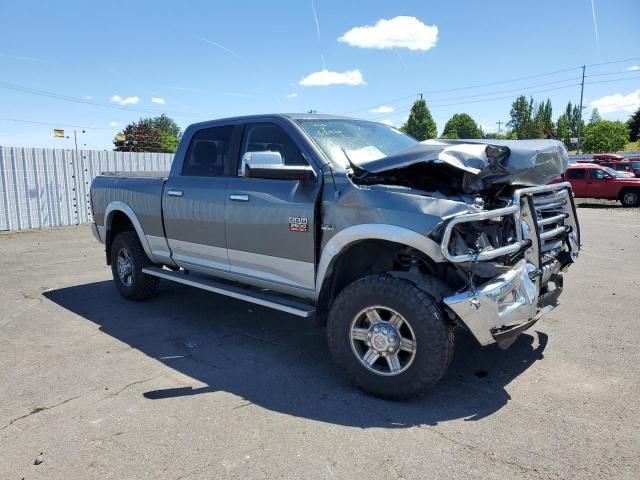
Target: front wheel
(630, 198)
(390, 336)
(127, 261)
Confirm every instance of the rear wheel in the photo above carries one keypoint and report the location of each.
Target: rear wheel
(127, 261)
(630, 198)
(390, 336)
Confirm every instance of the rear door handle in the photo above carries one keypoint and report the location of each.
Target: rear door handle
(175, 193)
(237, 197)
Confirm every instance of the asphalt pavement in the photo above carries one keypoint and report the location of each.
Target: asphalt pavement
(191, 385)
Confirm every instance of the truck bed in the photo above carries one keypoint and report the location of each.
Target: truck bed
(138, 174)
(141, 191)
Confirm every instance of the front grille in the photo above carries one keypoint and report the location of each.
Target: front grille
(551, 209)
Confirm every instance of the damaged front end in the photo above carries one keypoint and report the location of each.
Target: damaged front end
(505, 259)
(515, 276)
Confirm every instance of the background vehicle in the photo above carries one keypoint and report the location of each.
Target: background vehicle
(594, 181)
(618, 173)
(607, 157)
(394, 242)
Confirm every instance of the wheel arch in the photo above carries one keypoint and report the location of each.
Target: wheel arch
(348, 256)
(120, 217)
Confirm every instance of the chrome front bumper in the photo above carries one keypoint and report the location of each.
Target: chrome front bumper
(506, 304)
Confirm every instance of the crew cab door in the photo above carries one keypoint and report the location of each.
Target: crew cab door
(194, 200)
(578, 179)
(271, 223)
(599, 184)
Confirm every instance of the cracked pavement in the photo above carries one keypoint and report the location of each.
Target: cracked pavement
(191, 385)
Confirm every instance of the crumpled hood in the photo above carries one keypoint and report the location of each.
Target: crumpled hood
(484, 163)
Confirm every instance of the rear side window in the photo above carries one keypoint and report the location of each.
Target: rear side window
(575, 173)
(208, 152)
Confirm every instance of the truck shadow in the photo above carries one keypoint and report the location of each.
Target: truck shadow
(281, 362)
(602, 206)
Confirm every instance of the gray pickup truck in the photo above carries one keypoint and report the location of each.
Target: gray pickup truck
(392, 242)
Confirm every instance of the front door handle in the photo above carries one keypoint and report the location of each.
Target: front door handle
(175, 193)
(238, 197)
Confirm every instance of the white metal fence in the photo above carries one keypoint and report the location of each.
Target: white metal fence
(45, 187)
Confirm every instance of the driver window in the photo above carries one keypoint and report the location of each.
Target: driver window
(267, 137)
(598, 174)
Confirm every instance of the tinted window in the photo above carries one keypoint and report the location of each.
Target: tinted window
(575, 173)
(267, 137)
(598, 174)
(208, 152)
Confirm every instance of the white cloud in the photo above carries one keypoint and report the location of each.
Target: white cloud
(115, 124)
(633, 68)
(125, 101)
(398, 32)
(325, 77)
(386, 121)
(158, 100)
(617, 102)
(88, 97)
(382, 109)
(292, 95)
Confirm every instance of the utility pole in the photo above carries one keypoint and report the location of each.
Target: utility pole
(580, 117)
(499, 122)
(420, 96)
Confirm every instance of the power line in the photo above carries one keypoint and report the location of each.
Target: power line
(614, 80)
(505, 91)
(501, 82)
(97, 103)
(56, 124)
(612, 62)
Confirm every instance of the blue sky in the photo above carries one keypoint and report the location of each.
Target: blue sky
(209, 59)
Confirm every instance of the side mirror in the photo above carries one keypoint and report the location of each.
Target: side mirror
(260, 158)
(270, 165)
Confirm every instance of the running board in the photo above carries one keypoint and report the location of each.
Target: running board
(265, 299)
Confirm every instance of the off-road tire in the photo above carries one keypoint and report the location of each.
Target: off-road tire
(434, 337)
(630, 198)
(142, 286)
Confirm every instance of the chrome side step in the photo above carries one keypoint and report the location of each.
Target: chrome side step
(248, 295)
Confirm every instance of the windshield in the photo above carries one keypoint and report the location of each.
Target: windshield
(614, 173)
(363, 141)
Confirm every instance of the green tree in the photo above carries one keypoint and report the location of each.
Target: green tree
(165, 124)
(420, 124)
(521, 121)
(463, 126)
(605, 136)
(634, 126)
(563, 129)
(156, 134)
(543, 120)
(138, 137)
(452, 135)
(595, 116)
(507, 135)
(574, 116)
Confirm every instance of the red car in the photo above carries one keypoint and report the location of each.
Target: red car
(606, 157)
(593, 181)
